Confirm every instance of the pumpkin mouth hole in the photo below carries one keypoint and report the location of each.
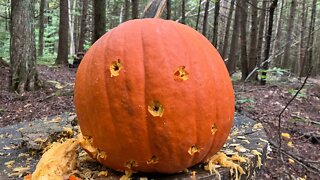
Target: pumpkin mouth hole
(130, 164)
(214, 129)
(115, 68)
(156, 108)
(193, 149)
(181, 74)
(153, 160)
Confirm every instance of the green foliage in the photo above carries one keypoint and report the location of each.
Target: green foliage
(4, 44)
(300, 94)
(273, 74)
(245, 100)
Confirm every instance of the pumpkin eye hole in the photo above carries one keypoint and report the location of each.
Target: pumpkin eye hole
(153, 160)
(181, 74)
(214, 129)
(193, 149)
(131, 163)
(115, 68)
(156, 108)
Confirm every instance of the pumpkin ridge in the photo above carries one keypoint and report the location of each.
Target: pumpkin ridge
(145, 105)
(193, 157)
(106, 76)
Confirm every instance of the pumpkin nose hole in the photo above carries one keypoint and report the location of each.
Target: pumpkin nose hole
(214, 129)
(181, 74)
(130, 164)
(156, 108)
(115, 68)
(153, 160)
(193, 149)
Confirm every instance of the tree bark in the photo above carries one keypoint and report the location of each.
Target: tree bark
(41, 27)
(231, 63)
(23, 73)
(262, 22)
(286, 57)
(243, 38)
(253, 37)
(168, 9)
(198, 14)
(126, 10)
(216, 23)
(277, 42)
(135, 9)
(83, 29)
(302, 31)
(272, 8)
(71, 27)
(307, 63)
(99, 10)
(62, 58)
(226, 36)
(205, 18)
(183, 12)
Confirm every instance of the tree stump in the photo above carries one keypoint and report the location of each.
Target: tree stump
(22, 146)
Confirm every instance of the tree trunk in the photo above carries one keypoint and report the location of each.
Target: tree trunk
(243, 38)
(277, 42)
(231, 63)
(168, 9)
(135, 9)
(62, 58)
(41, 27)
(286, 57)
(99, 10)
(216, 23)
(268, 42)
(183, 12)
(226, 36)
(262, 20)
(83, 29)
(23, 74)
(198, 14)
(126, 10)
(302, 31)
(71, 28)
(205, 18)
(253, 37)
(77, 23)
(307, 63)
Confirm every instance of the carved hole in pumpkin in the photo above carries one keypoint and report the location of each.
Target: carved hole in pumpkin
(214, 129)
(181, 74)
(193, 149)
(156, 108)
(153, 160)
(115, 68)
(130, 164)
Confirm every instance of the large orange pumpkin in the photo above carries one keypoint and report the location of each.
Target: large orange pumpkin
(153, 95)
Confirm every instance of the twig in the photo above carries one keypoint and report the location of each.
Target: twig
(298, 159)
(279, 120)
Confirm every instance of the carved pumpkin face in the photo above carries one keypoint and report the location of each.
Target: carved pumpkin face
(153, 95)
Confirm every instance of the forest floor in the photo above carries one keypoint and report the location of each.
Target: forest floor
(262, 103)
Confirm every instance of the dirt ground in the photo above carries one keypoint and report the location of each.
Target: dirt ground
(262, 103)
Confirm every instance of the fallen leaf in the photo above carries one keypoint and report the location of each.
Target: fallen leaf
(290, 144)
(290, 161)
(286, 135)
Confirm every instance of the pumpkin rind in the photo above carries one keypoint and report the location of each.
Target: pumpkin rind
(116, 111)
